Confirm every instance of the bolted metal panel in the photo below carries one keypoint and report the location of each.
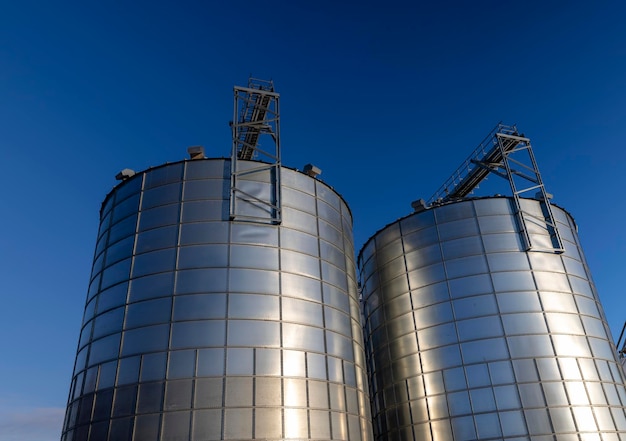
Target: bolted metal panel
(470, 336)
(200, 327)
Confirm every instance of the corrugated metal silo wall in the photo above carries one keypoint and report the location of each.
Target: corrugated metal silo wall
(198, 327)
(469, 336)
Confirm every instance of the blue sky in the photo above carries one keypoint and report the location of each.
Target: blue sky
(387, 98)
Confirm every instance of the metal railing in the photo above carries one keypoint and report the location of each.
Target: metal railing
(508, 154)
(469, 174)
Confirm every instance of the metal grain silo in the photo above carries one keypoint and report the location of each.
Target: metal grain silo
(480, 324)
(209, 318)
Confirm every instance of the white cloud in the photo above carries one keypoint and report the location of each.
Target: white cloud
(31, 424)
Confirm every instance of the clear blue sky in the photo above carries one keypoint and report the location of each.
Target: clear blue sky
(387, 98)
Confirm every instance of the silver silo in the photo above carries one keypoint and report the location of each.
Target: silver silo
(198, 327)
(222, 306)
(477, 327)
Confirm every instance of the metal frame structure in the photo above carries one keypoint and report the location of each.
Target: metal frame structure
(508, 154)
(621, 344)
(256, 137)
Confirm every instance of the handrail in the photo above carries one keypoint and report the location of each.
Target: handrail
(469, 174)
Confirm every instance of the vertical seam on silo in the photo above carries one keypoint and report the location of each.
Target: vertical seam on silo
(493, 288)
(322, 301)
(183, 185)
(409, 294)
(280, 316)
(227, 312)
(454, 320)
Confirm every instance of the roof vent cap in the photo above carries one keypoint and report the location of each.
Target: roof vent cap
(539, 196)
(418, 205)
(312, 170)
(125, 174)
(196, 152)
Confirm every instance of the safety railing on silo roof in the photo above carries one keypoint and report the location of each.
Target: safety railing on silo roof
(495, 155)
